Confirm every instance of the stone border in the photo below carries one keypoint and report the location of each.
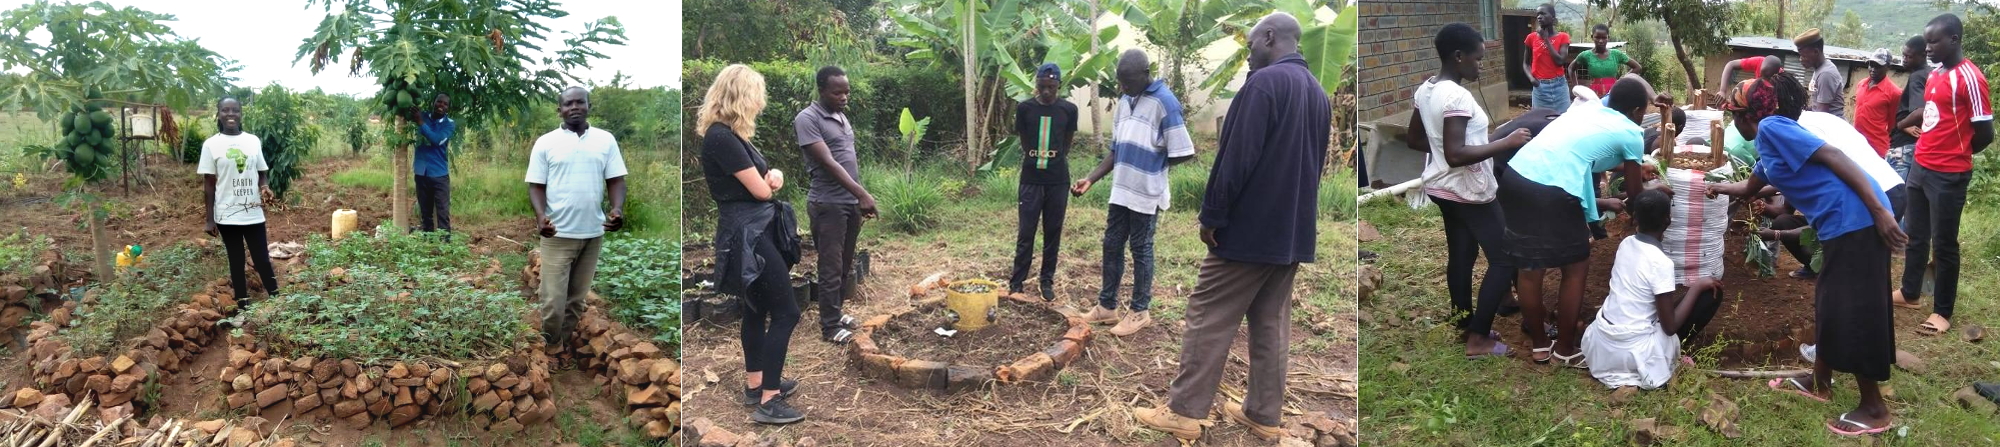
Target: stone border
(61, 380)
(15, 290)
(503, 396)
(619, 358)
(928, 374)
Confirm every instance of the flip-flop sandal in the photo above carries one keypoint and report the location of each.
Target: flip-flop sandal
(1689, 361)
(1551, 351)
(1864, 431)
(1500, 350)
(1905, 304)
(1932, 329)
(1573, 361)
(1793, 386)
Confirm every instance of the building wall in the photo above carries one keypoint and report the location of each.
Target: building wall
(1398, 53)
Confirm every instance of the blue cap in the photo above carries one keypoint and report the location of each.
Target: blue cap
(1049, 70)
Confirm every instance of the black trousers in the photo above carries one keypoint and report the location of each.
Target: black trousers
(1467, 229)
(1936, 199)
(1705, 306)
(236, 240)
(834, 229)
(434, 202)
(1044, 204)
(768, 324)
(1798, 250)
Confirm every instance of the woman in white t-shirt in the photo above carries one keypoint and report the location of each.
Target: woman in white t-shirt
(1634, 342)
(233, 170)
(1458, 176)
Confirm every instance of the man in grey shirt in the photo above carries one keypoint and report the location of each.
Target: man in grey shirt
(1828, 86)
(835, 202)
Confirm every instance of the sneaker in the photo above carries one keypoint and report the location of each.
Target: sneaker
(838, 336)
(1048, 294)
(1100, 315)
(1132, 323)
(776, 412)
(1165, 420)
(1234, 411)
(846, 321)
(785, 387)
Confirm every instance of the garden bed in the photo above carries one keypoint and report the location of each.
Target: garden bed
(503, 396)
(900, 348)
(623, 360)
(700, 301)
(30, 267)
(1762, 320)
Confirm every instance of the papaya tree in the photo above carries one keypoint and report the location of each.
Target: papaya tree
(478, 52)
(94, 57)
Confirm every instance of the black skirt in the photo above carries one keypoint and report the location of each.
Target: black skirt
(1856, 332)
(1545, 224)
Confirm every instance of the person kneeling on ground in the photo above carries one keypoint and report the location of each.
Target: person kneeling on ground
(1630, 344)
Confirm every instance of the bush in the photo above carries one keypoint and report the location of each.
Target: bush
(194, 131)
(910, 205)
(277, 117)
(640, 278)
(393, 297)
(135, 298)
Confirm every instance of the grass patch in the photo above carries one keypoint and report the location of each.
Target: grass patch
(1419, 389)
(911, 204)
(365, 177)
(116, 311)
(393, 297)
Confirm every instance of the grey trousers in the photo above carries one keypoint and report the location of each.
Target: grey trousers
(568, 267)
(1225, 295)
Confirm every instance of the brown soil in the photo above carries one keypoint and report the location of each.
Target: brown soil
(1088, 404)
(1020, 330)
(1762, 320)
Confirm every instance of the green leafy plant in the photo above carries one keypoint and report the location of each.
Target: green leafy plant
(125, 306)
(910, 205)
(194, 131)
(277, 118)
(630, 276)
(393, 297)
(19, 251)
(912, 130)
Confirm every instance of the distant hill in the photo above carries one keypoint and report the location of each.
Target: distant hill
(1890, 21)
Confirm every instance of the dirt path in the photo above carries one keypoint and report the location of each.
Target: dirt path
(1087, 404)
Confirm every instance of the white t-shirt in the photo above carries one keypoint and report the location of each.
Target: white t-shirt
(1626, 345)
(237, 162)
(1841, 135)
(574, 168)
(1474, 183)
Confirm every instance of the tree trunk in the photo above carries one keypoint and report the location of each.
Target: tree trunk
(970, 58)
(1680, 53)
(399, 192)
(100, 249)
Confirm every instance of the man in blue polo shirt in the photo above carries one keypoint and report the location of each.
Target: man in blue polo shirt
(432, 167)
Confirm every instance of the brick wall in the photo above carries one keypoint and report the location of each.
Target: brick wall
(1397, 50)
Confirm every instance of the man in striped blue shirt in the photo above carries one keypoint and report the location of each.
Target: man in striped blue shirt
(1148, 135)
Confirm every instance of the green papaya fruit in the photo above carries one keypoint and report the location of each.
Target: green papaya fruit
(92, 139)
(83, 158)
(81, 122)
(100, 119)
(67, 123)
(405, 99)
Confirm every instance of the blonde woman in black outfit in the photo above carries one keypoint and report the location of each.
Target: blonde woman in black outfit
(756, 241)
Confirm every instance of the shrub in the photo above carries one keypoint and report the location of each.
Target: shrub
(134, 299)
(277, 117)
(640, 278)
(910, 204)
(393, 297)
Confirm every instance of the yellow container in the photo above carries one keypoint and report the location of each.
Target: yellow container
(344, 221)
(972, 311)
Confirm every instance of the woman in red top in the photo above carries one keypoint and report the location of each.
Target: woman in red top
(1756, 65)
(1548, 53)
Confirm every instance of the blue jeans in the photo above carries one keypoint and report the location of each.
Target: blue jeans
(1122, 227)
(1552, 94)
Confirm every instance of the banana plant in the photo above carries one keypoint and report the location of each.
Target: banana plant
(913, 132)
(983, 38)
(1181, 29)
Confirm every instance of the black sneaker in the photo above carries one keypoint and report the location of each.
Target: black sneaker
(1048, 294)
(838, 336)
(753, 395)
(776, 412)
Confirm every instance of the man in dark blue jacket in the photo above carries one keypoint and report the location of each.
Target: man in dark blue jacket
(432, 167)
(1257, 219)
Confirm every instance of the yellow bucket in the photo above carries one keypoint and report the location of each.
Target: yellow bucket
(344, 221)
(972, 311)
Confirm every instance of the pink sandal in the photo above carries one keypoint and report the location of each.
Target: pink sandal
(1864, 431)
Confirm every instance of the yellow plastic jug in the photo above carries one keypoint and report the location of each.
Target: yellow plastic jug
(344, 221)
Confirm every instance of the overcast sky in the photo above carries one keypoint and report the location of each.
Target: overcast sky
(263, 35)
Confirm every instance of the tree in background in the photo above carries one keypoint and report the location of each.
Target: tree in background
(1694, 27)
(1783, 18)
(279, 119)
(473, 51)
(1181, 29)
(1850, 33)
(762, 30)
(93, 54)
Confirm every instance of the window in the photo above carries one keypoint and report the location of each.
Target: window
(1489, 18)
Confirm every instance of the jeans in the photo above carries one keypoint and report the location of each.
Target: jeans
(767, 326)
(434, 202)
(1552, 94)
(250, 240)
(1122, 227)
(834, 229)
(1044, 204)
(568, 267)
(1468, 228)
(1935, 201)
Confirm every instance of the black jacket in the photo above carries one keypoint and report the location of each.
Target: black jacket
(741, 226)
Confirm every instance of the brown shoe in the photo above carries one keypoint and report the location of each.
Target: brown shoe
(1234, 411)
(1132, 323)
(1165, 420)
(1100, 315)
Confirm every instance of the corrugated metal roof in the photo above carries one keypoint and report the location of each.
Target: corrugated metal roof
(1592, 45)
(1773, 43)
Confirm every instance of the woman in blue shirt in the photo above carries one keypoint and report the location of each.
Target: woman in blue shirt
(1857, 232)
